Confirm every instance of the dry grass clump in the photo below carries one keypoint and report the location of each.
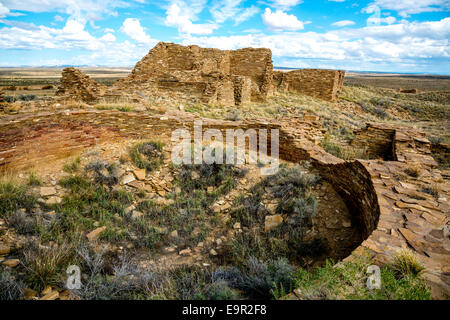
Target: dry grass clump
(10, 287)
(432, 189)
(342, 151)
(73, 166)
(147, 155)
(405, 263)
(124, 107)
(34, 180)
(413, 171)
(46, 265)
(14, 196)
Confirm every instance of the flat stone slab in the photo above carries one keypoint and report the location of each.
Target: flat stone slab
(47, 191)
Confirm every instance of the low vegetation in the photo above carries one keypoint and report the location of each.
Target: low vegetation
(189, 210)
(290, 190)
(73, 166)
(252, 266)
(34, 180)
(406, 264)
(14, 196)
(115, 106)
(147, 155)
(46, 265)
(342, 149)
(10, 287)
(347, 280)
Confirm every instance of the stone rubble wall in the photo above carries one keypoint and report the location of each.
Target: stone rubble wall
(318, 83)
(242, 90)
(211, 75)
(3, 103)
(255, 64)
(77, 86)
(376, 139)
(441, 152)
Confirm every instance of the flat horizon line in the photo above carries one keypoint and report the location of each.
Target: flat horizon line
(275, 68)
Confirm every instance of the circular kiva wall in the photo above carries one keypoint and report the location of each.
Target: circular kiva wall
(31, 140)
(390, 208)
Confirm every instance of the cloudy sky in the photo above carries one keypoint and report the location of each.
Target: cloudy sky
(370, 35)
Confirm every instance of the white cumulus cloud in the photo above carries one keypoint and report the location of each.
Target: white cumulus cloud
(109, 37)
(177, 17)
(285, 4)
(223, 10)
(132, 28)
(279, 21)
(387, 20)
(407, 7)
(3, 10)
(343, 23)
(89, 9)
(405, 44)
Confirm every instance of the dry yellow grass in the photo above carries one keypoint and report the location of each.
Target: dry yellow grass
(405, 263)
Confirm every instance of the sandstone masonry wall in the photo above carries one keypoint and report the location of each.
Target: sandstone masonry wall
(257, 65)
(376, 139)
(242, 90)
(77, 86)
(319, 83)
(2, 99)
(441, 153)
(211, 75)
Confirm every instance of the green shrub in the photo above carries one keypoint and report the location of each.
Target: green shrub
(290, 187)
(73, 166)
(88, 202)
(331, 147)
(220, 290)
(347, 280)
(14, 196)
(103, 172)
(147, 155)
(34, 180)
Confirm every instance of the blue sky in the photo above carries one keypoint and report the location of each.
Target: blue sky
(374, 35)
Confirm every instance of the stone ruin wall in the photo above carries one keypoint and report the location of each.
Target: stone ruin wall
(214, 76)
(376, 140)
(255, 64)
(76, 85)
(318, 83)
(2, 100)
(441, 152)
